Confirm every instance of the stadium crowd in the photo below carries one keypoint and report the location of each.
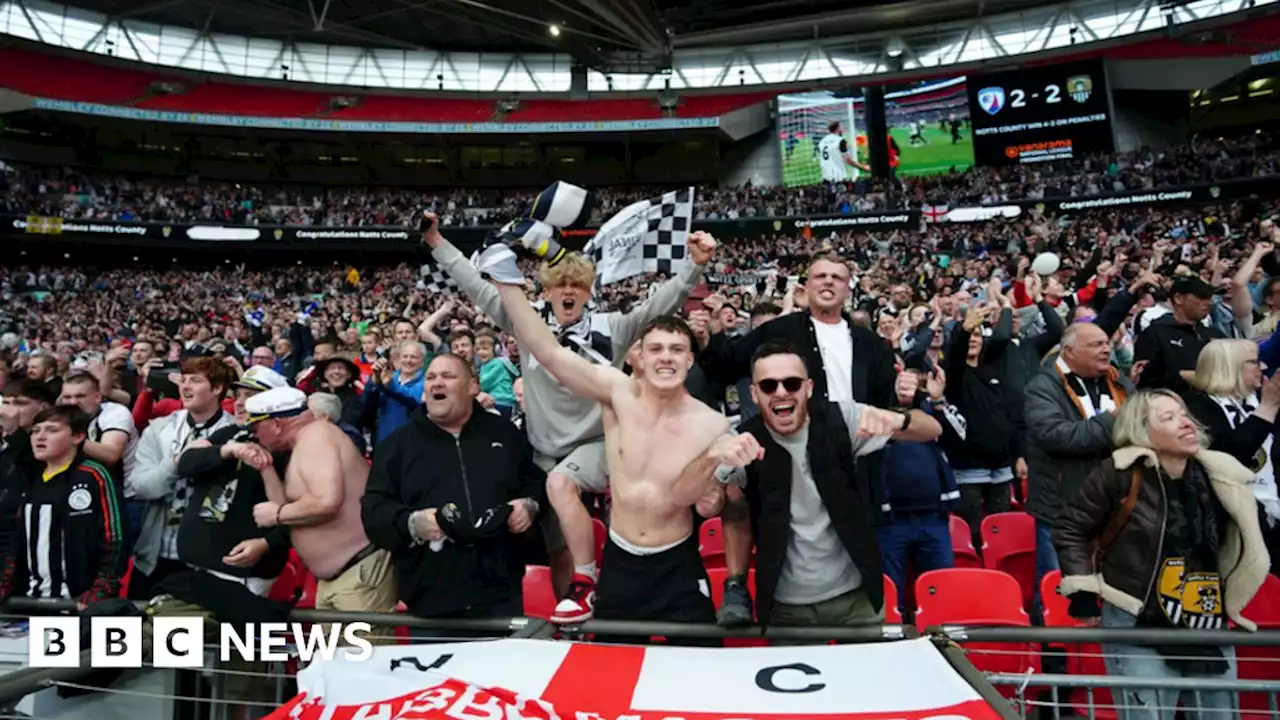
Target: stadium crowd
(72, 193)
(1108, 371)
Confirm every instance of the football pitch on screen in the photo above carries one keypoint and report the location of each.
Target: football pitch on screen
(801, 166)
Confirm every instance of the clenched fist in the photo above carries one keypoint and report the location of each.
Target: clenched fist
(701, 247)
(737, 451)
(876, 422)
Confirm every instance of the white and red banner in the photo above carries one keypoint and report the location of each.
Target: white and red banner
(549, 680)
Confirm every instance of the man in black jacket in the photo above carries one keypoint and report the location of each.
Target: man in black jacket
(805, 509)
(847, 363)
(450, 495)
(22, 401)
(1168, 349)
(233, 562)
(218, 533)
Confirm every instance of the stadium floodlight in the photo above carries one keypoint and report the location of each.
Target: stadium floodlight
(554, 29)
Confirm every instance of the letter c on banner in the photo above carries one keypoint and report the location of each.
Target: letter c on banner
(764, 678)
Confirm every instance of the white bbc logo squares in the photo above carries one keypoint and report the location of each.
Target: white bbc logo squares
(115, 642)
(177, 642)
(53, 642)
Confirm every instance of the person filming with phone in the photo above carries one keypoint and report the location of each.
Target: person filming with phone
(396, 386)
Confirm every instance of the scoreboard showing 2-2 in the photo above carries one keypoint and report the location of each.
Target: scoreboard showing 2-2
(1040, 114)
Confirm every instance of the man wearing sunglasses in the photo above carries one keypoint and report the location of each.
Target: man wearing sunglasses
(817, 555)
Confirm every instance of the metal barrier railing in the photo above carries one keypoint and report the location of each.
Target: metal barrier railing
(1120, 636)
(1189, 694)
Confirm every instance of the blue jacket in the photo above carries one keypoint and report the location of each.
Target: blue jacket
(917, 476)
(394, 402)
(1269, 353)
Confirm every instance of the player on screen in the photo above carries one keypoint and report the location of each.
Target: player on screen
(835, 157)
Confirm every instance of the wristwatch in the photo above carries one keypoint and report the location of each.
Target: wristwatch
(906, 421)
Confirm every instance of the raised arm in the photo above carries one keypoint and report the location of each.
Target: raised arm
(456, 265)
(666, 300)
(1241, 300)
(575, 372)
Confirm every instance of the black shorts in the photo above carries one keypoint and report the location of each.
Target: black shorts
(670, 586)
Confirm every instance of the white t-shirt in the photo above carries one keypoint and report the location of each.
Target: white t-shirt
(836, 347)
(831, 152)
(114, 416)
(817, 567)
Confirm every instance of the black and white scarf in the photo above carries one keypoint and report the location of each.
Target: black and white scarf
(1264, 485)
(591, 336)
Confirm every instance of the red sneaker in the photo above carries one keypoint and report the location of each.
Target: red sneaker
(579, 605)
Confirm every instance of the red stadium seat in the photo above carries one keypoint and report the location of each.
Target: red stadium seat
(716, 576)
(309, 589)
(974, 596)
(1260, 663)
(711, 543)
(539, 595)
(1082, 658)
(1009, 545)
(962, 544)
(602, 534)
(969, 596)
(892, 615)
(285, 585)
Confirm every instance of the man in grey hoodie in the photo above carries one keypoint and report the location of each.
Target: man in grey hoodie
(565, 430)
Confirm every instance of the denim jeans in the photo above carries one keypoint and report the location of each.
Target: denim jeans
(924, 539)
(1143, 662)
(1046, 562)
(135, 511)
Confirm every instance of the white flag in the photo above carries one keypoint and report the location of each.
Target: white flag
(646, 236)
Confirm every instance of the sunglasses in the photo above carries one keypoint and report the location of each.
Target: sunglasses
(769, 386)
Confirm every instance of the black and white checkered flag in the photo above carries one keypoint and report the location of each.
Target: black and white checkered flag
(438, 281)
(647, 236)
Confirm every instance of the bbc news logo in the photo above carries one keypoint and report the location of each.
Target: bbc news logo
(178, 642)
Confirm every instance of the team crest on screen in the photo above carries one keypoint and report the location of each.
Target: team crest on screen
(1080, 87)
(991, 99)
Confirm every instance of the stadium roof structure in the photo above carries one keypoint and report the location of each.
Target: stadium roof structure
(532, 46)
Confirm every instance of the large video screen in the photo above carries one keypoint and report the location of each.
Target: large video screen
(1040, 114)
(929, 124)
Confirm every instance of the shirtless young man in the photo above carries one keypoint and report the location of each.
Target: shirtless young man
(319, 501)
(662, 448)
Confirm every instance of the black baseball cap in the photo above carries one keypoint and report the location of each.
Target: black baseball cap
(1193, 285)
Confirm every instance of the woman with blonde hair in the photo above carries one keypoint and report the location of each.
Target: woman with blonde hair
(1238, 408)
(1165, 533)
